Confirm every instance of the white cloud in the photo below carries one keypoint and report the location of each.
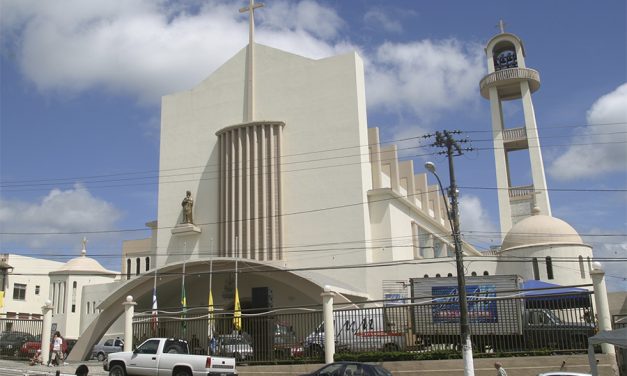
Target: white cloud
(73, 210)
(376, 18)
(475, 222)
(426, 77)
(146, 48)
(597, 150)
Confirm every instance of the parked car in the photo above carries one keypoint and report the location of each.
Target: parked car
(161, 356)
(236, 346)
(101, 351)
(29, 348)
(350, 368)
(11, 342)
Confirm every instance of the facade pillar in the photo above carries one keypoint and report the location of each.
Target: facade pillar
(329, 331)
(46, 310)
(129, 312)
(602, 305)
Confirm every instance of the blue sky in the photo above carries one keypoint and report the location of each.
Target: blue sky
(81, 84)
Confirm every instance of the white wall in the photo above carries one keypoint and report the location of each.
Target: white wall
(323, 106)
(31, 272)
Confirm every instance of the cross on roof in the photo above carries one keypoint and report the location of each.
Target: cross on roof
(250, 96)
(251, 8)
(501, 26)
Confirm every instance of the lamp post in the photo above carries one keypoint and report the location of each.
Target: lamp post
(453, 219)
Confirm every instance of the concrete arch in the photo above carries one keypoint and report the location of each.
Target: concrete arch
(308, 284)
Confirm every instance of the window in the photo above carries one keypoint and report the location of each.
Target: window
(19, 291)
(137, 262)
(73, 308)
(437, 275)
(474, 274)
(108, 342)
(147, 263)
(148, 347)
(582, 271)
(88, 305)
(536, 269)
(485, 272)
(449, 275)
(549, 267)
(37, 288)
(426, 276)
(128, 268)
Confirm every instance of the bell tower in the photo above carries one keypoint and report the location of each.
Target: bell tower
(509, 79)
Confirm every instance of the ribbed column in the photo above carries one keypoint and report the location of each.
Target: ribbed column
(279, 207)
(250, 190)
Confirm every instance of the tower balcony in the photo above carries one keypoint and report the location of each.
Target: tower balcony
(525, 192)
(515, 138)
(507, 81)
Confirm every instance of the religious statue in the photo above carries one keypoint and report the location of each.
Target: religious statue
(187, 205)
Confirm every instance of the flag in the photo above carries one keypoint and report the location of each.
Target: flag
(155, 319)
(184, 305)
(237, 313)
(210, 317)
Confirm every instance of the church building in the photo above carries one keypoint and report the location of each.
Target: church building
(268, 166)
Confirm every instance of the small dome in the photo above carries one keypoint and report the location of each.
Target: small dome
(83, 265)
(540, 230)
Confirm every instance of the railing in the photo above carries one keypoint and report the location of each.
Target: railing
(521, 192)
(514, 134)
(555, 323)
(510, 74)
(16, 333)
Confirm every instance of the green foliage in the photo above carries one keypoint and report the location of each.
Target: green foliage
(394, 356)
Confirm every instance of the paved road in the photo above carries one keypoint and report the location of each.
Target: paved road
(13, 368)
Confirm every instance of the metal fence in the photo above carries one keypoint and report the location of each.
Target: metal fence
(555, 323)
(18, 337)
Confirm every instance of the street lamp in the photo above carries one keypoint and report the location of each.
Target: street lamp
(453, 219)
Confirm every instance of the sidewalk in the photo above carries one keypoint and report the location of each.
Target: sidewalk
(14, 367)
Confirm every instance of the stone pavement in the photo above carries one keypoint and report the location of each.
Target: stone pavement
(22, 368)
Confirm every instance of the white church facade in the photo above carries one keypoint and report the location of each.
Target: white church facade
(290, 184)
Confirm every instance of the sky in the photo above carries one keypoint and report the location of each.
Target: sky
(81, 82)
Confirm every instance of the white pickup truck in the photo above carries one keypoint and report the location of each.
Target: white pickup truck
(167, 356)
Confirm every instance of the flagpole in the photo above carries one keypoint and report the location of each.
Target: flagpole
(183, 294)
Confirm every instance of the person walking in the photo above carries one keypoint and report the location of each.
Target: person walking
(500, 371)
(57, 350)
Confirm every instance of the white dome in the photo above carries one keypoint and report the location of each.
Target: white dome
(83, 265)
(540, 230)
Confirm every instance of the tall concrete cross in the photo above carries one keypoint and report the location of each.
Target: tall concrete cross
(250, 93)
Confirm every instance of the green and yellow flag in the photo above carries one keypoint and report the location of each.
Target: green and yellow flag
(237, 313)
(184, 305)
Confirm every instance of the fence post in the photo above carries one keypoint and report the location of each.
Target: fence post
(329, 331)
(45, 331)
(129, 312)
(602, 305)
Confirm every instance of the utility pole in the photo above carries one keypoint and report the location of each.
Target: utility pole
(445, 140)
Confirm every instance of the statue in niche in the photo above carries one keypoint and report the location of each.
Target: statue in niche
(188, 204)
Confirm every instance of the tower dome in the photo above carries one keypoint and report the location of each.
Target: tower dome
(540, 230)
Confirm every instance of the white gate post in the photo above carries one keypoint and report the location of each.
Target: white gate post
(602, 305)
(329, 331)
(129, 312)
(47, 328)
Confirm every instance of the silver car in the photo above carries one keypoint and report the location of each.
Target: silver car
(235, 346)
